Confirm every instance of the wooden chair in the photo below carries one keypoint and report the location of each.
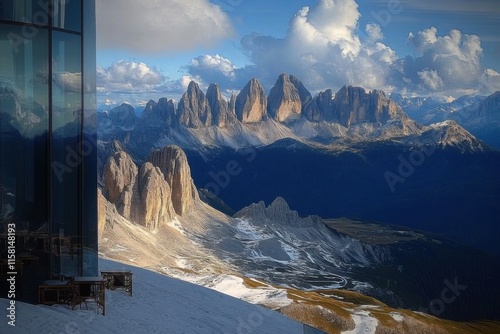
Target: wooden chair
(80, 294)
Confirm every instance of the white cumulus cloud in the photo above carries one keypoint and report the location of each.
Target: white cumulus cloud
(321, 47)
(160, 25)
(216, 67)
(326, 48)
(129, 76)
(450, 64)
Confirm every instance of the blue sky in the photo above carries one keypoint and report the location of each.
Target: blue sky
(153, 48)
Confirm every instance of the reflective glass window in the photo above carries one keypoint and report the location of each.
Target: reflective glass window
(89, 148)
(31, 11)
(23, 125)
(65, 153)
(67, 14)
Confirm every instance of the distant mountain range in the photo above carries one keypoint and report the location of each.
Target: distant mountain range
(251, 119)
(354, 153)
(480, 115)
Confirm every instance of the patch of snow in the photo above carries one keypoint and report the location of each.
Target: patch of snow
(235, 287)
(247, 231)
(291, 251)
(364, 323)
(397, 316)
(183, 264)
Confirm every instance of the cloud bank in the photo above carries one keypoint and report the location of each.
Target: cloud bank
(156, 26)
(127, 77)
(326, 48)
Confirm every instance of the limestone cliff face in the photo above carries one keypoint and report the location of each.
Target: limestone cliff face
(161, 113)
(320, 108)
(123, 116)
(251, 103)
(152, 196)
(353, 105)
(156, 122)
(193, 110)
(222, 115)
(155, 205)
(173, 163)
(101, 210)
(284, 100)
(120, 179)
(278, 212)
(117, 124)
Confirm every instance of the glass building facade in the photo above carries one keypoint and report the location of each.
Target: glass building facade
(48, 177)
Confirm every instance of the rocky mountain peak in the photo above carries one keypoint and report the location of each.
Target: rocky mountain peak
(153, 194)
(155, 206)
(450, 134)
(120, 183)
(490, 107)
(123, 116)
(193, 110)
(320, 108)
(278, 212)
(222, 114)
(284, 101)
(159, 113)
(251, 103)
(173, 163)
(355, 105)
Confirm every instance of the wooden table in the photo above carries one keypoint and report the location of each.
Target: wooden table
(90, 288)
(118, 279)
(55, 292)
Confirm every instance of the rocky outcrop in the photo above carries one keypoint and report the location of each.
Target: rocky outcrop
(304, 93)
(193, 110)
(161, 113)
(123, 117)
(232, 104)
(28, 118)
(101, 209)
(284, 101)
(105, 150)
(173, 163)
(353, 105)
(222, 115)
(155, 123)
(117, 124)
(485, 112)
(155, 197)
(320, 108)
(120, 180)
(251, 103)
(278, 212)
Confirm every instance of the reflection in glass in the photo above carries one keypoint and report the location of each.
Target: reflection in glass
(31, 11)
(65, 156)
(23, 127)
(89, 165)
(66, 82)
(67, 14)
(23, 80)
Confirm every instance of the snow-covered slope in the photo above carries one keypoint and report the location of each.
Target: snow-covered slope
(159, 305)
